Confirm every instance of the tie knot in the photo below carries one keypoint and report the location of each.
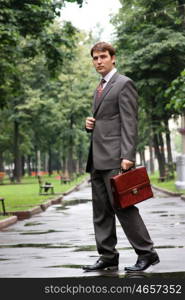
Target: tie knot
(102, 81)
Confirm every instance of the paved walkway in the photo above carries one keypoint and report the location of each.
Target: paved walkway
(57, 242)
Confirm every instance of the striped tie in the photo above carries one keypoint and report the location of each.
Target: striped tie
(100, 87)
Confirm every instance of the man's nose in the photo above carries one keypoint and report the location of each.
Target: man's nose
(99, 60)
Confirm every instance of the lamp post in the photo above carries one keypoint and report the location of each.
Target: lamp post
(180, 161)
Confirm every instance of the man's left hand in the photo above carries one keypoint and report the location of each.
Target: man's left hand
(126, 164)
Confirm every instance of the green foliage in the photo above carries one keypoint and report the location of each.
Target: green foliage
(24, 34)
(150, 44)
(40, 86)
(175, 93)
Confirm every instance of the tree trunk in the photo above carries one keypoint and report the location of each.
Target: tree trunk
(36, 161)
(168, 143)
(50, 171)
(17, 155)
(23, 165)
(151, 157)
(169, 152)
(70, 151)
(1, 162)
(80, 163)
(159, 155)
(142, 158)
(45, 162)
(64, 165)
(29, 165)
(161, 142)
(70, 160)
(58, 163)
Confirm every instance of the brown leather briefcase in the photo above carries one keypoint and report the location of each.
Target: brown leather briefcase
(131, 187)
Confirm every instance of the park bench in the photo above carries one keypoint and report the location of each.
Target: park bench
(45, 188)
(64, 179)
(3, 206)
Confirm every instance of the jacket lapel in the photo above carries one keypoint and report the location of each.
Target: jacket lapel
(98, 102)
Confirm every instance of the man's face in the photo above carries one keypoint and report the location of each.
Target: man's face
(103, 62)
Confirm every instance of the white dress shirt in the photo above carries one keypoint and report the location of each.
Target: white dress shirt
(108, 76)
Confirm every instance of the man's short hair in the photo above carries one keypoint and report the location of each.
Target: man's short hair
(103, 46)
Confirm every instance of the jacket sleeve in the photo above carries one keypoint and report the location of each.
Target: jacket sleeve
(129, 118)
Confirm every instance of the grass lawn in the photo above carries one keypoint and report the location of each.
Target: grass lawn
(25, 195)
(3, 217)
(167, 185)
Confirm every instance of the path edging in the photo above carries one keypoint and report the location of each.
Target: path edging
(175, 194)
(7, 222)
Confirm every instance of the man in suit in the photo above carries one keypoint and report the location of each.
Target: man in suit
(113, 145)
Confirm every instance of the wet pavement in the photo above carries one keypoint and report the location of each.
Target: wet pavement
(57, 242)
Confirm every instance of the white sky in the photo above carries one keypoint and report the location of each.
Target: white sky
(92, 12)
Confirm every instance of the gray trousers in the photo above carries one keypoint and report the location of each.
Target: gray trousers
(105, 222)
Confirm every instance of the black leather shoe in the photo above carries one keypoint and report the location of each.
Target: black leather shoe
(101, 265)
(144, 262)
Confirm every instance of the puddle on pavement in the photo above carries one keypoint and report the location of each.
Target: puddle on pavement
(181, 216)
(62, 207)
(40, 232)
(159, 212)
(67, 203)
(168, 247)
(44, 246)
(74, 201)
(33, 224)
(93, 248)
(171, 204)
(166, 215)
(66, 266)
(85, 248)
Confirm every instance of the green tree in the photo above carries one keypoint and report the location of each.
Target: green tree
(24, 35)
(54, 109)
(151, 42)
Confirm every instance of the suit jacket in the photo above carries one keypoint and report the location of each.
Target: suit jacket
(114, 136)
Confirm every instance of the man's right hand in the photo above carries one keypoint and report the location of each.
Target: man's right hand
(90, 122)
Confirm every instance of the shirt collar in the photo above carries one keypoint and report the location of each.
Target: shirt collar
(110, 74)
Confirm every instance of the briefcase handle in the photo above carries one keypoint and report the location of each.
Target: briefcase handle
(130, 169)
(124, 171)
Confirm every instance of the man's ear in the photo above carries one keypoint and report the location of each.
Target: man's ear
(114, 59)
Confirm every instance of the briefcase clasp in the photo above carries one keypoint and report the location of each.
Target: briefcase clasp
(135, 191)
